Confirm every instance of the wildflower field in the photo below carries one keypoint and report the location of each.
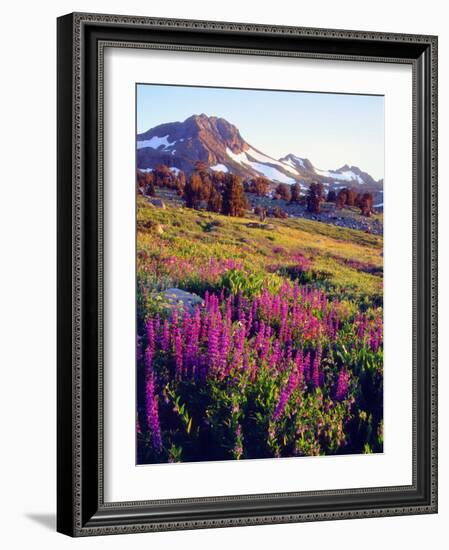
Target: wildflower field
(277, 353)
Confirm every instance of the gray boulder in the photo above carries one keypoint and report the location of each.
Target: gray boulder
(177, 298)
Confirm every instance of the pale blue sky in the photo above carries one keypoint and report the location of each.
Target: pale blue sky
(329, 129)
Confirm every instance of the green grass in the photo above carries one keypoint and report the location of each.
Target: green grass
(189, 234)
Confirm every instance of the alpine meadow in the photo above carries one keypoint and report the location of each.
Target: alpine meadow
(259, 280)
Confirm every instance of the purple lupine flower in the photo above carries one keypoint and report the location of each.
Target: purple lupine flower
(191, 349)
(265, 347)
(288, 355)
(150, 334)
(342, 385)
(316, 367)
(246, 360)
(151, 403)
(212, 346)
(178, 349)
(255, 308)
(204, 328)
(275, 355)
(380, 331)
(165, 336)
(285, 395)
(307, 366)
(249, 321)
(240, 305)
(330, 324)
(372, 339)
(288, 336)
(225, 345)
(196, 328)
(260, 336)
(284, 320)
(186, 325)
(239, 346)
(276, 306)
(157, 324)
(299, 364)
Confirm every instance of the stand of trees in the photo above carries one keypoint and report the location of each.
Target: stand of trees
(295, 193)
(258, 186)
(194, 191)
(345, 197)
(215, 200)
(225, 193)
(145, 183)
(218, 192)
(282, 192)
(161, 176)
(365, 203)
(234, 199)
(348, 197)
(315, 197)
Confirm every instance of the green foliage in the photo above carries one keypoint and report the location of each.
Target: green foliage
(237, 282)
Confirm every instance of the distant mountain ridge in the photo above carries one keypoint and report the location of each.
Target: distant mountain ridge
(219, 144)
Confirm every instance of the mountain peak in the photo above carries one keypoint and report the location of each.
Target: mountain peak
(218, 143)
(199, 137)
(200, 119)
(298, 163)
(358, 175)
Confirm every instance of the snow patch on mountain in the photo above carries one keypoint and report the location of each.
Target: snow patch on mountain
(219, 168)
(269, 172)
(239, 158)
(265, 159)
(347, 175)
(155, 142)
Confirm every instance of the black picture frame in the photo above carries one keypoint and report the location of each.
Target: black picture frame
(81, 510)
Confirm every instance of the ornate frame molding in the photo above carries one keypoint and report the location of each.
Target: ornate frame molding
(82, 511)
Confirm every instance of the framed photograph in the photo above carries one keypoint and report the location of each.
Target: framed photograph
(247, 278)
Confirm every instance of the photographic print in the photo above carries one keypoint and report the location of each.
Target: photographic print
(259, 273)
